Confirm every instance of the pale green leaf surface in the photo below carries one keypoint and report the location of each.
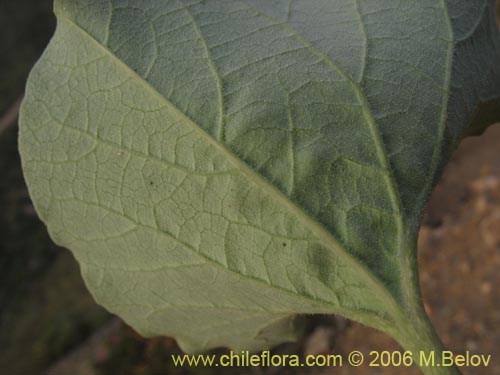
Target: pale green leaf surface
(220, 166)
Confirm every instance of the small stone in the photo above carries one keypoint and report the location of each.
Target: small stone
(480, 204)
(320, 341)
(485, 288)
(471, 345)
(489, 229)
(486, 183)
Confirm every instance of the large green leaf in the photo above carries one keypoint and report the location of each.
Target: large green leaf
(219, 166)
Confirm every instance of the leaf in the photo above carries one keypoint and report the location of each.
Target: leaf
(218, 167)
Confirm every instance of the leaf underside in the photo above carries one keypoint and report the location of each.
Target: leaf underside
(218, 167)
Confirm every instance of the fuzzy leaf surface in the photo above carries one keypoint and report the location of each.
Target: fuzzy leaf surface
(218, 167)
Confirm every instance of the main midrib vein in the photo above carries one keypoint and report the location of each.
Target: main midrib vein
(316, 228)
(403, 252)
(409, 280)
(444, 108)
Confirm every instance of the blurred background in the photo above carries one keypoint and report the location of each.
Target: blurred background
(50, 324)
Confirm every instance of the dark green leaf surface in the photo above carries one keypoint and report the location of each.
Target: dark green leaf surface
(218, 167)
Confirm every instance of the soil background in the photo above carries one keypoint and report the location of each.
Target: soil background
(50, 324)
